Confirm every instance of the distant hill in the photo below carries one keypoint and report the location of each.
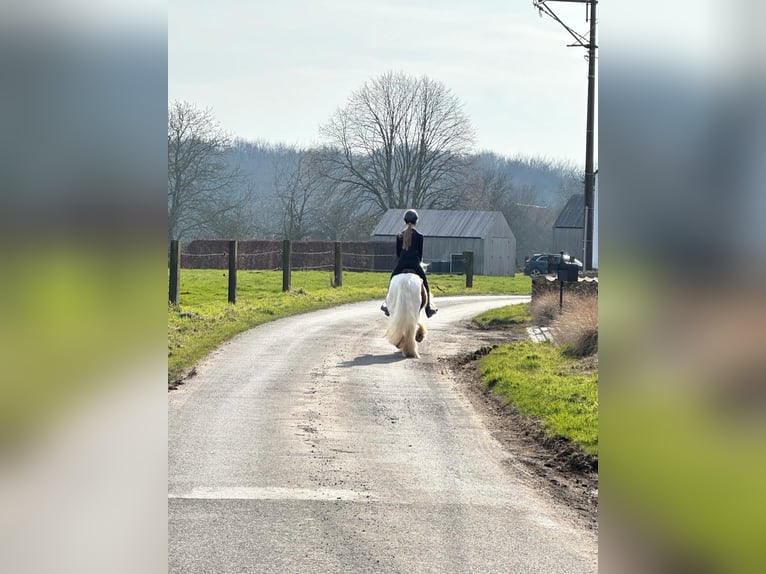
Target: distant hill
(552, 183)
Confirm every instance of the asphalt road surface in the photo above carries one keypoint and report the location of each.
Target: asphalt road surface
(311, 445)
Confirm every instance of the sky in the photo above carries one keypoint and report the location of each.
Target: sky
(275, 71)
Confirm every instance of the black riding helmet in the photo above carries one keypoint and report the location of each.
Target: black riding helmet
(411, 216)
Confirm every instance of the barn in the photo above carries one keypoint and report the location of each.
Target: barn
(569, 228)
(449, 233)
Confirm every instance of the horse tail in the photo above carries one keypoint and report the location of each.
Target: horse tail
(403, 303)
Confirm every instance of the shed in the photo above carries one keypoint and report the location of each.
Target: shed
(569, 228)
(449, 233)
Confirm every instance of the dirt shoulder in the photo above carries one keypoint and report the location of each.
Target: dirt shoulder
(556, 465)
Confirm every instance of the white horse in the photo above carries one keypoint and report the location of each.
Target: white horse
(406, 297)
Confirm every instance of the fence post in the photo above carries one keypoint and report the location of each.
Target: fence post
(175, 270)
(338, 265)
(286, 265)
(468, 264)
(232, 271)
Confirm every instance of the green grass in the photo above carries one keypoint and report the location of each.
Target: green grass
(541, 382)
(504, 317)
(204, 319)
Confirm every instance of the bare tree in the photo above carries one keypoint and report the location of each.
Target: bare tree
(343, 217)
(199, 178)
(296, 182)
(490, 186)
(401, 142)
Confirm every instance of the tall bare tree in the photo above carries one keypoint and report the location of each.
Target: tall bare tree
(401, 142)
(199, 178)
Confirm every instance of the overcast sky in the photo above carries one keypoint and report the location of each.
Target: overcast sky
(275, 70)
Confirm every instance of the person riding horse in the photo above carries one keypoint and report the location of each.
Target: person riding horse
(409, 250)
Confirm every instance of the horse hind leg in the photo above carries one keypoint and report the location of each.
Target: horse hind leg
(409, 348)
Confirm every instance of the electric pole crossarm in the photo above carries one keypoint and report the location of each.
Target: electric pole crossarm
(543, 8)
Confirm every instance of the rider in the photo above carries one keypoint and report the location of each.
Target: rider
(409, 250)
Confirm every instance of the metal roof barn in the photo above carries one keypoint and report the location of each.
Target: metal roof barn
(449, 233)
(569, 228)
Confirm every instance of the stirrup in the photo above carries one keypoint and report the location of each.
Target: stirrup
(431, 311)
(385, 309)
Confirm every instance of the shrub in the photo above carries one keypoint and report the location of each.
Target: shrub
(544, 308)
(577, 326)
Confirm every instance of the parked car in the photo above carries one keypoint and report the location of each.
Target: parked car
(544, 263)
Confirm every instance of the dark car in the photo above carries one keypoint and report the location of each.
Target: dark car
(544, 263)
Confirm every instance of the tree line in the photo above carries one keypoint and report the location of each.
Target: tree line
(398, 142)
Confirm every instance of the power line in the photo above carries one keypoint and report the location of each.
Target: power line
(544, 9)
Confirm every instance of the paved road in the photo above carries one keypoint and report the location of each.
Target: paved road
(309, 445)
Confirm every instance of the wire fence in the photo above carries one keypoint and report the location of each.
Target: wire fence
(287, 256)
(306, 255)
(358, 256)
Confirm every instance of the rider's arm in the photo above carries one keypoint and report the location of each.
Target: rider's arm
(418, 246)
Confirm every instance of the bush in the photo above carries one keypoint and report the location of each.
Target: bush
(577, 326)
(544, 309)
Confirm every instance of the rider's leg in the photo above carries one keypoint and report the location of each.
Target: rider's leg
(430, 309)
(383, 306)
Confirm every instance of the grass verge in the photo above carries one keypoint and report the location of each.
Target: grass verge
(543, 383)
(203, 319)
(504, 317)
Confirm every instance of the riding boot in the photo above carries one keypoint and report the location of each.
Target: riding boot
(430, 309)
(384, 308)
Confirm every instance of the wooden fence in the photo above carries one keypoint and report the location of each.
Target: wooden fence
(285, 255)
(305, 255)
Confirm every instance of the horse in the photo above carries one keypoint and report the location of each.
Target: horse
(406, 297)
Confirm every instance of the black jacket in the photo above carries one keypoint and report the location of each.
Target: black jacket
(412, 257)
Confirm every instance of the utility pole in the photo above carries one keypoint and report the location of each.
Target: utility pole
(590, 176)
